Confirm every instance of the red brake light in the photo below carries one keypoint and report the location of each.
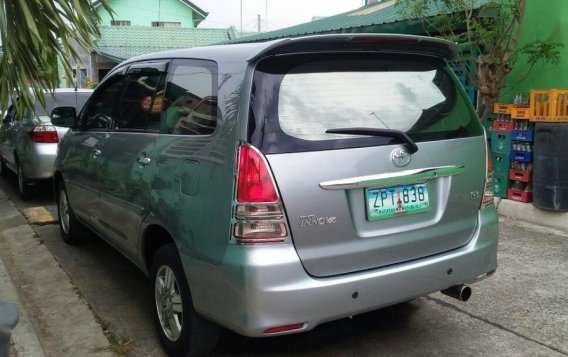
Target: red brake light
(44, 134)
(254, 182)
(383, 39)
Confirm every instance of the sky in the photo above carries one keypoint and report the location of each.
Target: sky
(281, 13)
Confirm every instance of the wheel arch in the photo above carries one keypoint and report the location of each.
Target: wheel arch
(154, 237)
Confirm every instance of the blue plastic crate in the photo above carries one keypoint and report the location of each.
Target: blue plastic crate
(523, 135)
(524, 156)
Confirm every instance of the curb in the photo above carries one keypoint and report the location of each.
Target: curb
(56, 320)
(24, 337)
(528, 213)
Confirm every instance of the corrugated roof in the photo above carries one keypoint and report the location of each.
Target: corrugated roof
(122, 42)
(364, 19)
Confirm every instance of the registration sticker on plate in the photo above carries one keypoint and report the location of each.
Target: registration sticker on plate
(396, 201)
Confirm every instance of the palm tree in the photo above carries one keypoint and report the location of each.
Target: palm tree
(35, 34)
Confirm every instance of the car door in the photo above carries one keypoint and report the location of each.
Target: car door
(129, 156)
(83, 164)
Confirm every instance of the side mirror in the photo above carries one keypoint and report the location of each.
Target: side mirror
(63, 116)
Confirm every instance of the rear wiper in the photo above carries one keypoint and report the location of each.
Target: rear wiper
(409, 144)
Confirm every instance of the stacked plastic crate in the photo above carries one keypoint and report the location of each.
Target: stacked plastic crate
(522, 138)
(511, 149)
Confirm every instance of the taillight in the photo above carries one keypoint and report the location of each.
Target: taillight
(489, 191)
(259, 214)
(44, 134)
(255, 183)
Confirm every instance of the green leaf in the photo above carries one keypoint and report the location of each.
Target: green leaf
(35, 35)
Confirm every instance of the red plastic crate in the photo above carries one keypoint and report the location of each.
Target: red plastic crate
(521, 196)
(520, 175)
(503, 125)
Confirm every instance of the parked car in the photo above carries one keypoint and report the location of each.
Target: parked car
(271, 187)
(28, 145)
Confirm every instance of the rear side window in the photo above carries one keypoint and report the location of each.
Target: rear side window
(190, 106)
(297, 98)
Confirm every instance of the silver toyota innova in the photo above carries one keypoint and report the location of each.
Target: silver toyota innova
(270, 187)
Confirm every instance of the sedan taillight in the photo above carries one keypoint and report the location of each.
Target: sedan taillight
(46, 134)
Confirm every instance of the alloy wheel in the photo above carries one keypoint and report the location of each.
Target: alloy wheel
(64, 211)
(168, 303)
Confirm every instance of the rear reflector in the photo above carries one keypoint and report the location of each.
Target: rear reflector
(284, 328)
(44, 134)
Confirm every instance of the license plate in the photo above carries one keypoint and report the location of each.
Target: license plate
(396, 201)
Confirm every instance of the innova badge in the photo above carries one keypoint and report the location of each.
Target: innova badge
(400, 157)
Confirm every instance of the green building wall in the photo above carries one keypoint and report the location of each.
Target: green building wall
(144, 12)
(544, 20)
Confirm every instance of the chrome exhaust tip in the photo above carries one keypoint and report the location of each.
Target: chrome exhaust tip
(461, 292)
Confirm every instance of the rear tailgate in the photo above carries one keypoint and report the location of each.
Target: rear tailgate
(357, 202)
(331, 229)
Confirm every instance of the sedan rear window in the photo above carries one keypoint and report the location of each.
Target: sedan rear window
(297, 98)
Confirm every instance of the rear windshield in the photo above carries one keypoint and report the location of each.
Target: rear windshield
(296, 98)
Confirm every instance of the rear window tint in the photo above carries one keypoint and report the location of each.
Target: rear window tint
(191, 98)
(296, 98)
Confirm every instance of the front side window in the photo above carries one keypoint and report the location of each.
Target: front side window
(140, 105)
(297, 98)
(190, 106)
(100, 110)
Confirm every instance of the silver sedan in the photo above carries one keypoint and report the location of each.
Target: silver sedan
(28, 144)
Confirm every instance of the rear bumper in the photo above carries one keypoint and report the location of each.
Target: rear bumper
(256, 288)
(38, 159)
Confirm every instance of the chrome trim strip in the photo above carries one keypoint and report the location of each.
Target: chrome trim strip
(393, 178)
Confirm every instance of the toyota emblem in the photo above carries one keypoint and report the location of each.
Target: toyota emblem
(400, 157)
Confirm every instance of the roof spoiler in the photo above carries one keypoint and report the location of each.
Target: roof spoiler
(363, 42)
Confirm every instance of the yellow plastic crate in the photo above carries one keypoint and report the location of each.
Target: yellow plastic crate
(520, 113)
(549, 105)
(561, 110)
(501, 108)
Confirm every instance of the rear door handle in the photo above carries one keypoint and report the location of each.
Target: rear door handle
(96, 153)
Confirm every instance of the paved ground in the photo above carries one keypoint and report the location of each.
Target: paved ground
(521, 311)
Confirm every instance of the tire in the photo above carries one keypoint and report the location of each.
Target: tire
(71, 229)
(24, 188)
(181, 330)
